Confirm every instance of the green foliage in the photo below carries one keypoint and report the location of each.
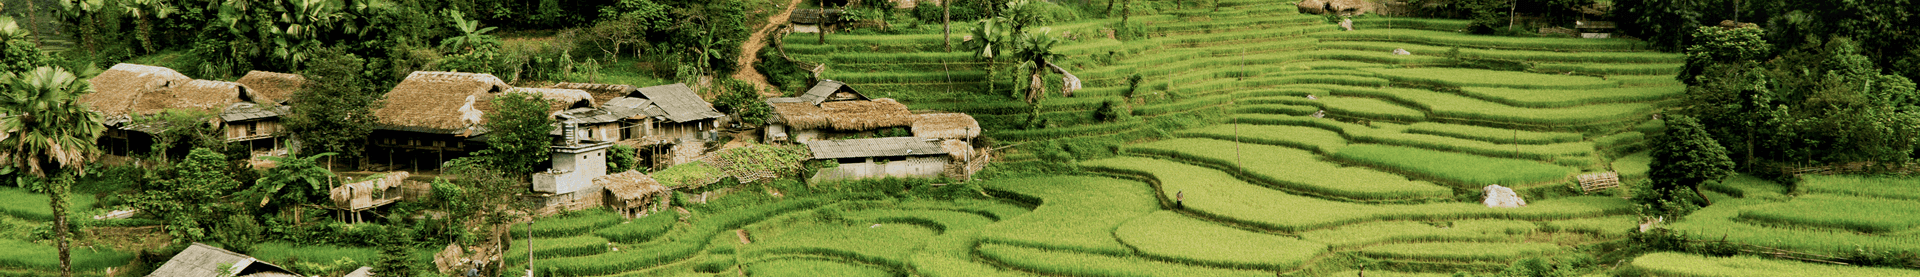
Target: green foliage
(1888, 187)
(1690, 265)
(693, 174)
(393, 254)
(25, 204)
(1078, 213)
(1459, 170)
(294, 180)
(18, 53)
(739, 98)
(472, 38)
(517, 139)
(1715, 46)
(1685, 156)
(559, 247)
(621, 158)
(188, 194)
(1858, 214)
(1460, 251)
(335, 114)
(1176, 237)
(571, 224)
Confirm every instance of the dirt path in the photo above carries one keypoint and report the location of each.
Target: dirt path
(750, 52)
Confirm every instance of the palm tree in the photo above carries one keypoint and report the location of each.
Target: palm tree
(1036, 54)
(298, 31)
(471, 35)
(46, 131)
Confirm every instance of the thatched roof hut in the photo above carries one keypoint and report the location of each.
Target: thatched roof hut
(204, 260)
(563, 99)
(845, 115)
(201, 95)
(875, 147)
(945, 126)
(439, 102)
(359, 195)
(120, 87)
(272, 87)
(601, 92)
(630, 189)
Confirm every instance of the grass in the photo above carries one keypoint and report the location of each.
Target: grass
(571, 224)
(1514, 55)
(1171, 236)
(1906, 188)
(1490, 134)
(1539, 152)
(1053, 262)
(21, 254)
(280, 252)
(951, 255)
(1362, 234)
(20, 203)
(679, 244)
(1606, 226)
(1472, 41)
(1350, 107)
(1690, 265)
(1748, 186)
(1075, 213)
(1219, 195)
(885, 244)
(1457, 169)
(548, 248)
(1719, 221)
(1294, 169)
(1459, 251)
(940, 221)
(1463, 77)
(1633, 166)
(640, 229)
(1310, 138)
(1454, 106)
(1560, 98)
(1860, 214)
(813, 267)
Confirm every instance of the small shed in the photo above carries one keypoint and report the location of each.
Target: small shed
(204, 260)
(815, 20)
(630, 192)
(908, 157)
(1594, 28)
(375, 191)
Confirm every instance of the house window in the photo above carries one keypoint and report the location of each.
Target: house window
(250, 130)
(850, 160)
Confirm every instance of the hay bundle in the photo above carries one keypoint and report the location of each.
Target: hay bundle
(118, 89)
(867, 115)
(432, 100)
(271, 87)
(945, 126)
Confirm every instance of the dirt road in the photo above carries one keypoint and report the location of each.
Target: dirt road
(750, 52)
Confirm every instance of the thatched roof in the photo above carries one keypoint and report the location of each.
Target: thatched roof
(438, 102)
(875, 147)
(272, 87)
(680, 103)
(563, 99)
(119, 88)
(814, 16)
(630, 185)
(845, 115)
(601, 92)
(201, 95)
(945, 126)
(956, 149)
(204, 260)
(248, 111)
(830, 90)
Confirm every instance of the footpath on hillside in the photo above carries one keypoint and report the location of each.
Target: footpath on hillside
(750, 52)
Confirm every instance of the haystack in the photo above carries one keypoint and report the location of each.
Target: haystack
(119, 88)
(199, 95)
(272, 87)
(431, 101)
(945, 126)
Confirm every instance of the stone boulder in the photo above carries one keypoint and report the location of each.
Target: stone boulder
(1502, 197)
(1402, 52)
(1346, 7)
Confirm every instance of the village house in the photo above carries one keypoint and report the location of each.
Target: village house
(670, 120)
(432, 117)
(126, 94)
(873, 138)
(204, 260)
(832, 110)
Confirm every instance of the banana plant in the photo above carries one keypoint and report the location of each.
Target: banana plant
(708, 50)
(987, 43)
(83, 12)
(472, 36)
(10, 31)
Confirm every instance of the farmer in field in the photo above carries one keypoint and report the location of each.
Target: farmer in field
(1180, 199)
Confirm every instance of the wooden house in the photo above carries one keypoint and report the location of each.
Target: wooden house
(127, 93)
(373, 192)
(832, 110)
(816, 20)
(904, 157)
(669, 121)
(116, 90)
(432, 117)
(204, 260)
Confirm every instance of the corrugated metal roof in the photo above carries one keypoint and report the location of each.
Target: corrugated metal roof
(679, 103)
(203, 260)
(875, 147)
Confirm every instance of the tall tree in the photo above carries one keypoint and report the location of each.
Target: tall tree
(517, 139)
(1686, 156)
(146, 11)
(187, 194)
(335, 110)
(48, 132)
(1714, 46)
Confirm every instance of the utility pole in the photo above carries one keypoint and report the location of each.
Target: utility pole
(529, 244)
(946, 26)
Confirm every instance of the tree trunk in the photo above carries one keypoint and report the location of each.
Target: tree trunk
(57, 190)
(821, 27)
(1703, 197)
(946, 24)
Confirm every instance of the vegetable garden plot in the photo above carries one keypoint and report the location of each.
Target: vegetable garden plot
(1083, 264)
(1362, 234)
(1295, 169)
(1560, 98)
(1464, 77)
(1221, 196)
(1690, 265)
(1457, 169)
(1172, 236)
(1860, 214)
(1076, 213)
(1459, 251)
